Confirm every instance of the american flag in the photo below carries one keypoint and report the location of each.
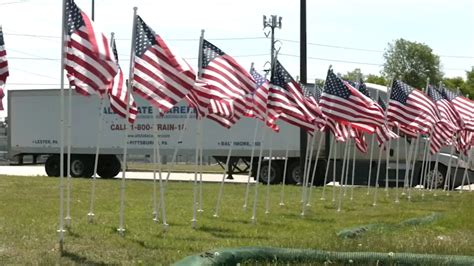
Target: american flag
(346, 104)
(3, 68)
(117, 93)
(225, 79)
(159, 76)
(410, 108)
(462, 105)
(89, 62)
(286, 98)
(259, 100)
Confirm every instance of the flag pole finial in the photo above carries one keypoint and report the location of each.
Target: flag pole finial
(251, 66)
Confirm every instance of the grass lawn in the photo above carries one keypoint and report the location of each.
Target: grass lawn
(29, 220)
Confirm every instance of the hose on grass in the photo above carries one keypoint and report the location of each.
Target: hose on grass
(232, 256)
(359, 230)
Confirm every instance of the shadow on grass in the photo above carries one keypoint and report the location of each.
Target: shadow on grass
(226, 233)
(80, 259)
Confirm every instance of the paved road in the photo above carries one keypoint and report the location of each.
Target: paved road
(38, 170)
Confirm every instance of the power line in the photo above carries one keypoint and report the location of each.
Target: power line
(33, 73)
(248, 38)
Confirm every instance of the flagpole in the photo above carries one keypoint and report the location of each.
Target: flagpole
(157, 160)
(68, 163)
(251, 165)
(353, 172)
(267, 195)
(251, 160)
(397, 200)
(334, 173)
(327, 165)
(415, 157)
(195, 184)
(456, 170)
(371, 153)
(465, 175)
(285, 167)
(424, 166)
(226, 170)
(448, 172)
(344, 165)
(176, 147)
(377, 177)
(121, 228)
(305, 166)
(308, 203)
(308, 170)
(407, 168)
(155, 141)
(91, 214)
(200, 121)
(61, 137)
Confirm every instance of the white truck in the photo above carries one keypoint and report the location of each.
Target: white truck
(34, 129)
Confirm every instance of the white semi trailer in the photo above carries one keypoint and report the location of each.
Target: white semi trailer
(34, 129)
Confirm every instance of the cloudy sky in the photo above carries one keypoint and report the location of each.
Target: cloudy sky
(346, 34)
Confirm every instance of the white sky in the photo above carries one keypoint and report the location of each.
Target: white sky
(32, 32)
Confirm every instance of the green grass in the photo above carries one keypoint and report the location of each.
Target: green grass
(29, 220)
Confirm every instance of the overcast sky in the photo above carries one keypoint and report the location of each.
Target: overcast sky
(346, 34)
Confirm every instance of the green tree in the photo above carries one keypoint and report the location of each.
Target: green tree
(376, 79)
(412, 63)
(468, 86)
(453, 83)
(354, 75)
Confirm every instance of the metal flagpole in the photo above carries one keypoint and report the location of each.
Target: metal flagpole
(353, 172)
(387, 165)
(254, 211)
(91, 214)
(267, 196)
(456, 171)
(251, 165)
(160, 178)
(282, 194)
(407, 167)
(226, 170)
(397, 200)
(308, 170)
(371, 153)
(414, 156)
(327, 167)
(314, 169)
(61, 136)
(155, 147)
(334, 174)
(424, 166)
(305, 167)
(341, 183)
(176, 147)
(448, 172)
(377, 176)
(465, 175)
(195, 188)
(200, 164)
(346, 175)
(68, 163)
(121, 228)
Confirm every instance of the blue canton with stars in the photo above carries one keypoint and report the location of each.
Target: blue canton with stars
(209, 53)
(400, 92)
(258, 78)
(335, 86)
(448, 94)
(144, 38)
(434, 94)
(73, 17)
(280, 76)
(317, 92)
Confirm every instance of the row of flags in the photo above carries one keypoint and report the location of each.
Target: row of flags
(224, 91)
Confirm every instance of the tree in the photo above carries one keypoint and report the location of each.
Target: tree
(376, 79)
(468, 86)
(354, 75)
(412, 63)
(453, 83)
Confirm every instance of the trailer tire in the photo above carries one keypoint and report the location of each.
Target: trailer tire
(81, 166)
(293, 175)
(439, 176)
(109, 166)
(52, 165)
(275, 173)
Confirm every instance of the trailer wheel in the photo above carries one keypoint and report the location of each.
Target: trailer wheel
(52, 165)
(437, 177)
(81, 166)
(275, 173)
(109, 166)
(293, 175)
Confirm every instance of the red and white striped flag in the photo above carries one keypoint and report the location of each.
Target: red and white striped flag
(159, 76)
(287, 100)
(89, 62)
(463, 106)
(3, 68)
(118, 94)
(227, 83)
(259, 102)
(411, 108)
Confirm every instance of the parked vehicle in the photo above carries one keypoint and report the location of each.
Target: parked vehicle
(34, 129)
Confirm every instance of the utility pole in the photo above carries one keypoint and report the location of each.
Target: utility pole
(93, 10)
(272, 22)
(303, 80)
